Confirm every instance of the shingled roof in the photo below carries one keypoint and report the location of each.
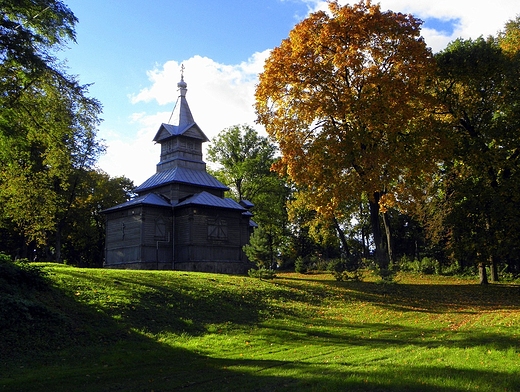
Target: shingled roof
(181, 175)
(208, 200)
(148, 199)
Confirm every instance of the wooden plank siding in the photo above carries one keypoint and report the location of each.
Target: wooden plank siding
(196, 250)
(139, 235)
(123, 239)
(198, 238)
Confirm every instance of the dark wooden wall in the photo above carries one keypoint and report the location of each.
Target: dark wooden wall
(142, 234)
(196, 239)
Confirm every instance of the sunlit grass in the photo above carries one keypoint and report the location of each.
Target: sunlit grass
(142, 330)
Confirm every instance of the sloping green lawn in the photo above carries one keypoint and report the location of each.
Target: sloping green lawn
(116, 330)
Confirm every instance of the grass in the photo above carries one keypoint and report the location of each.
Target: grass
(113, 330)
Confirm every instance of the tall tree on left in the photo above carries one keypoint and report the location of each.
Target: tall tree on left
(48, 124)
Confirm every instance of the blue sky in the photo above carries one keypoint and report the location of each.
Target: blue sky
(131, 50)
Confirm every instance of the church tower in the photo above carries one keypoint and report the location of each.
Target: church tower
(181, 141)
(180, 218)
(180, 165)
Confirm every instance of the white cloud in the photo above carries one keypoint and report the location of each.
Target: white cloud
(219, 96)
(474, 18)
(134, 157)
(222, 95)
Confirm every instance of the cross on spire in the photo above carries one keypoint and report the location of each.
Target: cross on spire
(182, 84)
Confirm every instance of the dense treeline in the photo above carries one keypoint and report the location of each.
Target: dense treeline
(393, 155)
(50, 191)
(380, 153)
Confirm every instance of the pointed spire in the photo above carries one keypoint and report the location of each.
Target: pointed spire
(182, 84)
(181, 114)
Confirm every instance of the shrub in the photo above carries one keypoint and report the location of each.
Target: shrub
(387, 275)
(262, 273)
(309, 263)
(321, 264)
(426, 265)
(342, 270)
(406, 264)
(4, 258)
(300, 265)
(21, 273)
(20, 282)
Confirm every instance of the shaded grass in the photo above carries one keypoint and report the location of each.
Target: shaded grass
(141, 330)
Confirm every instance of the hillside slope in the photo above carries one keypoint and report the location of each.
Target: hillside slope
(113, 330)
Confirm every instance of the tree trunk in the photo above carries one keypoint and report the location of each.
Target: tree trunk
(238, 184)
(363, 235)
(389, 242)
(380, 254)
(491, 259)
(342, 237)
(482, 273)
(494, 269)
(59, 228)
(58, 246)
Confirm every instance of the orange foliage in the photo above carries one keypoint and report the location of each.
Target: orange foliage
(345, 97)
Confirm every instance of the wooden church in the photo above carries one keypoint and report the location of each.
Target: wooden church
(180, 219)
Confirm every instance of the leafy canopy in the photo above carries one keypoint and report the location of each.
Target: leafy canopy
(30, 27)
(477, 204)
(48, 124)
(344, 96)
(245, 159)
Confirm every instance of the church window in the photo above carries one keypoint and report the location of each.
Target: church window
(217, 229)
(160, 229)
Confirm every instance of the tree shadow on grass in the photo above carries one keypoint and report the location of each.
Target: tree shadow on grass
(70, 345)
(181, 308)
(431, 298)
(385, 335)
(77, 346)
(172, 369)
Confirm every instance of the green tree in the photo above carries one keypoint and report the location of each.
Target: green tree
(345, 97)
(84, 232)
(478, 83)
(47, 138)
(260, 249)
(31, 31)
(48, 124)
(328, 236)
(245, 159)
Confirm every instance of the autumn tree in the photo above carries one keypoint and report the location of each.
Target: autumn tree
(344, 96)
(509, 38)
